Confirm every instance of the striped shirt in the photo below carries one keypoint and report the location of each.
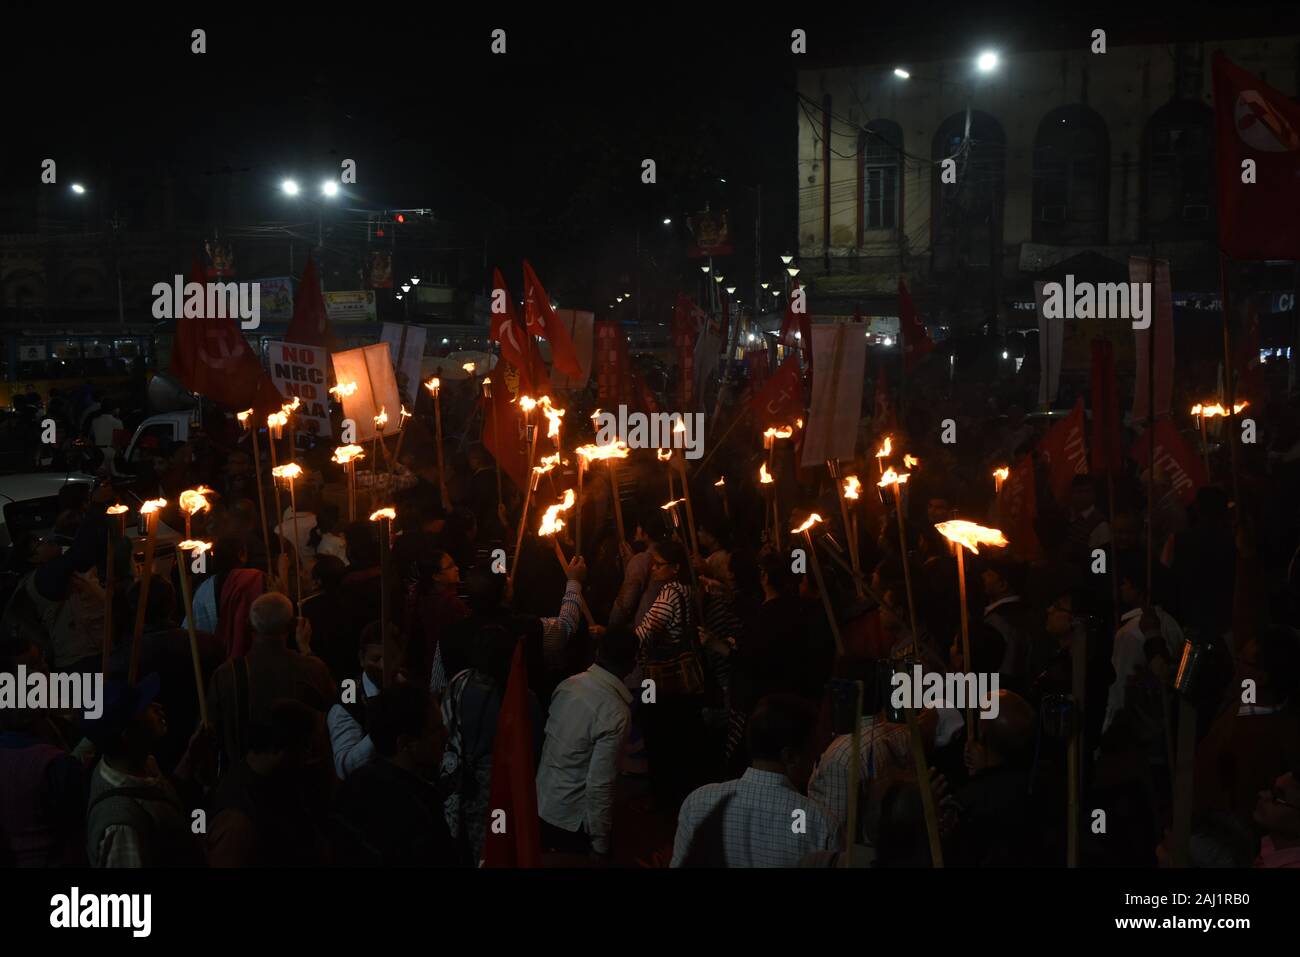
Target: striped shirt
(766, 822)
(883, 747)
(669, 619)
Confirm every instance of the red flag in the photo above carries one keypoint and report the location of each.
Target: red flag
(1258, 123)
(781, 400)
(540, 320)
(613, 366)
(797, 321)
(1178, 463)
(1106, 452)
(517, 347)
(684, 335)
(211, 357)
(503, 424)
(1064, 451)
(310, 325)
(911, 330)
(514, 785)
(1016, 509)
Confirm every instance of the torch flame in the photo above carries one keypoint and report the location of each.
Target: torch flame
(799, 422)
(277, 419)
(672, 503)
(151, 506)
(548, 462)
(893, 478)
(812, 520)
(192, 499)
(776, 432)
(389, 513)
(886, 448)
(292, 406)
(469, 367)
(551, 521)
(195, 546)
(553, 417)
(764, 476)
(381, 419)
(527, 403)
(344, 389)
(852, 487)
(243, 416)
(1003, 473)
(433, 385)
(971, 535)
(1212, 411)
(594, 453)
(595, 416)
(721, 482)
(346, 453)
(290, 470)
(680, 427)
(663, 454)
(910, 461)
(404, 414)
(116, 510)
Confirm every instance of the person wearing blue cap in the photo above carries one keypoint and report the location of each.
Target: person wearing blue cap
(135, 816)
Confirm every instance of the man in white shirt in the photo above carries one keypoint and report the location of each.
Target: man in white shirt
(761, 819)
(588, 722)
(349, 742)
(1140, 623)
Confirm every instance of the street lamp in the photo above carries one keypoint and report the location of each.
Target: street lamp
(787, 259)
(78, 188)
(731, 290)
(705, 270)
(415, 280)
(668, 221)
(987, 61)
(406, 287)
(290, 187)
(901, 73)
(792, 270)
(329, 188)
(765, 284)
(719, 278)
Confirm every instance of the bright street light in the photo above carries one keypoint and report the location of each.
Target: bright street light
(765, 284)
(787, 259)
(705, 270)
(987, 62)
(290, 187)
(406, 287)
(329, 188)
(667, 221)
(901, 73)
(719, 278)
(78, 188)
(792, 270)
(415, 280)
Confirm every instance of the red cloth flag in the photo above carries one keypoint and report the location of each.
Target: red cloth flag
(781, 399)
(1017, 508)
(1065, 452)
(503, 425)
(1176, 464)
(1106, 452)
(211, 357)
(310, 325)
(1256, 122)
(514, 785)
(517, 347)
(800, 322)
(684, 332)
(540, 320)
(613, 366)
(911, 330)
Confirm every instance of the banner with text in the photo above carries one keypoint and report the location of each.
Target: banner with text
(301, 371)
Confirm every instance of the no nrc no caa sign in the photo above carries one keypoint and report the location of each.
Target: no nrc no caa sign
(301, 371)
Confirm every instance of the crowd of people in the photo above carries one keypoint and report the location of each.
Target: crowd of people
(701, 720)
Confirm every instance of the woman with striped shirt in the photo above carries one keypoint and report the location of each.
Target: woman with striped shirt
(670, 658)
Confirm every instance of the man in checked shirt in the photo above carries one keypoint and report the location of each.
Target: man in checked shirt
(761, 819)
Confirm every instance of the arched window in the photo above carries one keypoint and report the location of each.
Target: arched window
(881, 148)
(967, 214)
(1071, 177)
(1178, 172)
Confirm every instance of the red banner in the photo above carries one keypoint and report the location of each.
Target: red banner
(540, 320)
(781, 400)
(1065, 452)
(1017, 508)
(916, 342)
(684, 331)
(503, 425)
(613, 367)
(517, 347)
(1256, 123)
(1176, 463)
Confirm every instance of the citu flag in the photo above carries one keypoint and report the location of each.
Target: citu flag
(1066, 453)
(517, 347)
(781, 400)
(211, 357)
(514, 834)
(1258, 152)
(310, 325)
(914, 339)
(540, 320)
(1179, 471)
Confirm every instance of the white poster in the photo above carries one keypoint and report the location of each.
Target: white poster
(839, 363)
(371, 369)
(301, 371)
(407, 346)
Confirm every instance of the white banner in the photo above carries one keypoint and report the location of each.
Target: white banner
(407, 346)
(356, 306)
(839, 370)
(301, 371)
(371, 368)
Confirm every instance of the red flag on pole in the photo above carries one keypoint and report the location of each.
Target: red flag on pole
(503, 426)
(1106, 452)
(1065, 452)
(540, 320)
(781, 400)
(1017, 508)
(211, 357)
(310, 325)
(613, 366)
(513, 788)
(1257, 204)
(1178, 464)
(911, 330)
(517, 346)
